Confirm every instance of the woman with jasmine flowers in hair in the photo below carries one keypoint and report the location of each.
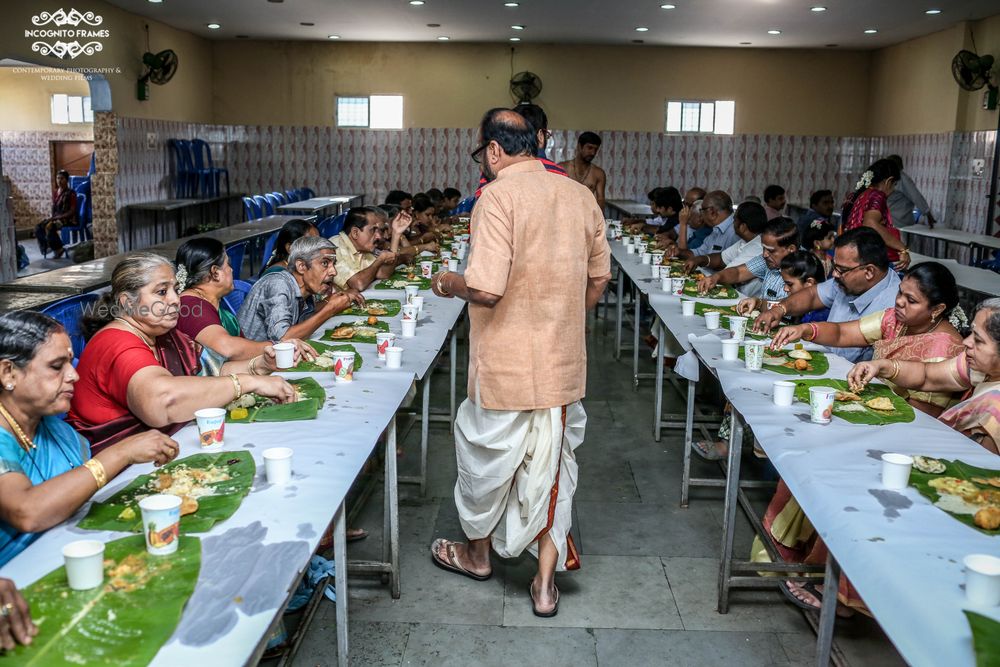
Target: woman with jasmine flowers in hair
(869, 207)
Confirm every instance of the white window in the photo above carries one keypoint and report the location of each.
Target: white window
(701, 117)
(380, 112)
(68, 109)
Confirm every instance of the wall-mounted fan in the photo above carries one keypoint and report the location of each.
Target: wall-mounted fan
(525, 86)
(973, 72)
(160, 68)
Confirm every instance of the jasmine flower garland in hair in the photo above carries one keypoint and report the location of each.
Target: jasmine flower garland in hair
(958, 319)
(182, 276)
(866, 180)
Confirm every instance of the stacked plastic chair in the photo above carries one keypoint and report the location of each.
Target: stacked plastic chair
(234, 299)
(69, 313)
(81, 230)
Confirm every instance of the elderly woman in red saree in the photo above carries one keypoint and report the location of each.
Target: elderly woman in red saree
(869, 207)
(138, 372)
(916, 330)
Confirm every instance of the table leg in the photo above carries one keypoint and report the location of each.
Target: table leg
(729, 513)
(828, 612)
(658, 403)
(635, 337)
(453, 351)
(425, 420)
(390, 522)
(340, 580)
(619, 295)
(688, 443)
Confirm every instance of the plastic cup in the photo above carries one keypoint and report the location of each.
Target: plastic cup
(629, 249)
(712, 320)
(664, 270)
(284, 355)
(343, 366)
(643, 246)
(982, 579)
(677, 286)
(409, 330)
(418, 301)
(410, 312)
(211, 426)
(738, 326)
(462, 249)
(657, 258)
(821, 404)
(896, 470)
(383, 341)
(84, 561)
(666, 285)
(646, 258)
(411, 291)
(161, 521)
(753, 354)
(278, 465)
(453, 264)
(783, 392)
(654, 270)
(426, 269)
(393, 357)
(687, 308)
(730, 350)
(445, 255)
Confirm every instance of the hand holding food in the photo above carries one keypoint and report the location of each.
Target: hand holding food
(149, 446)
(15, 617)
(269, 386)
(747, 306)
(767, 320)
(863, 373)
(787, 335)
(693, 263)
(707, 283)
(401, 222)
(388, 258)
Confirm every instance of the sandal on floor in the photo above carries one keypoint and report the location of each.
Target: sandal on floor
(707, 450)
(808, 587)
(543, 614)
(358, 536)
(452, 564)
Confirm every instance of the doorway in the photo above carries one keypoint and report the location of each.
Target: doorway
(73, 156)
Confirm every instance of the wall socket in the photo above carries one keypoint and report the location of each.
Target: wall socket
(978, 167)
(151, 140)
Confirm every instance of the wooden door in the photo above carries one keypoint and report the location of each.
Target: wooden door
(73, 156)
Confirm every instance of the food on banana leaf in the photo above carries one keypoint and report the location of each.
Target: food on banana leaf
(929, 465)
(883, 403)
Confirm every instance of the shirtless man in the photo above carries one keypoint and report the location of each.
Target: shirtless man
(582, 168)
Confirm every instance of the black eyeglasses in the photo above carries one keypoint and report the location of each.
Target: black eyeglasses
(843, 272)
(477, 155)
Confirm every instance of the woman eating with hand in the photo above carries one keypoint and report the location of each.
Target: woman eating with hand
(916, 329)
(47, 471)
(138, 372)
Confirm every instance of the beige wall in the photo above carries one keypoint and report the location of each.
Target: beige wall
(186, 97)
(26, 100)
(971, 115)
(602, 88)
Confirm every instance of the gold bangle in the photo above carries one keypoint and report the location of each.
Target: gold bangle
(96, 469)
(895, 370)
(236, 386)
(252, 365)
(441, 288)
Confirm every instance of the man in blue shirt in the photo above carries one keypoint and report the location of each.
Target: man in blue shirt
(863, 283)
(779, 239)
(716, 213)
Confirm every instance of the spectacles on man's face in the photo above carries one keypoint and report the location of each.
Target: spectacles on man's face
(842, 271)
(477, 155)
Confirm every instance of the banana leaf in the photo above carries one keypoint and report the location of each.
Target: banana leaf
(108, 514)
(717, 292)
(391, 307)
(265, 411)
(921, 482)
(310, 367)
(357, 338)
(819, 363)
(123, 622)
(399, 282)
(724, 311)
(901, 414)
(985, 639)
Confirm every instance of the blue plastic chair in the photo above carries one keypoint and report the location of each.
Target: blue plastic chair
(208, 174)
(293, 195)
(273, 201)
(250, 209)
(465, 205)
(236, 253)
(69, 312)
(332, 226)
(282, 197)
(185, 180)
(306, 193)
(264, 205)
(269, 246)
(234, 299)
(78, 232)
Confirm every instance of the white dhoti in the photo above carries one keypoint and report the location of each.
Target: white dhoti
(517, 474)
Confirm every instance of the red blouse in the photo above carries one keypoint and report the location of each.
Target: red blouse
(109, 361)
(872, 200)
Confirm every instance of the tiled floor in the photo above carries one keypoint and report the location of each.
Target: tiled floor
(644, 596)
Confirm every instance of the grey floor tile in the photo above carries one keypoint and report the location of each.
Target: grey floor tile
(609, 483)
(464, 645)
(679, 648)
(859, 638)
(607, 592)
(416, 526)
(694, 583)
(370, 644)
(648, 529)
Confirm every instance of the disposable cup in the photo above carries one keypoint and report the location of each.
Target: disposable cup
(343, 366)
(677, 286)
(383, 341)
(982, 580)
(453, 264)
(646, 258)
(821, 404)
(393, 357)
(411, 291)
(284, 355)
(664, 270)
(783, 392)
(629, 249)
(730, 350)
(410, 312)
(426, 269)
(462, 249)
(418, 301)
(712, 320)
(753, 354)
(278, 465)
(445, 255)
(211, 426)
(896, 470)
(642, 246)
(657, 257)
(687, 308)
(409, 329)
(738, 326)
(84, 561)
(654, 270)
(666, 285)
(161, 520)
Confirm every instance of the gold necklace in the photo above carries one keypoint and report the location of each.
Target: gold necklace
(22, 438)
(136, 331)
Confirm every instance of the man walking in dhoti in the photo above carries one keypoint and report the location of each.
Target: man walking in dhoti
(539, 259)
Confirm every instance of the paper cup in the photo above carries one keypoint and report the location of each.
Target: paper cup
(821, 404)
(896, 470)
(343, 366)
(783, 392)
(687, 308)
(410, 312)
(445, 255)
(712, 320)
(462, 249)
(284, 355)
(657, 258)
(629, 249)
(278, 465)
(730, 350)
(642, 247)
(409, 329)
(383, 341)
(677, 286)
(418, 301)
(738, 326)
(393, 357)
(664, 270)
(426, 269)
(84, 561)
(646, 258)
(411, 291)
(211, 426)
(161, 521)
(666, 285)
(654, 270)
(453, 264)
(982, 580)
(753, 354)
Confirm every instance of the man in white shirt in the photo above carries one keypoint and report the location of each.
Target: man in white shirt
(906, 197)
(748, 223)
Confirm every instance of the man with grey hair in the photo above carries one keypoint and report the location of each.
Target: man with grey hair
(717, 213)
(282, 305)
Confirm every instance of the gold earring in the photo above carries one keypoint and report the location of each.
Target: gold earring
(10, 387)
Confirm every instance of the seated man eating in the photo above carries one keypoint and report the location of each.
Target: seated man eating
(358, 264)
(780, 239)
